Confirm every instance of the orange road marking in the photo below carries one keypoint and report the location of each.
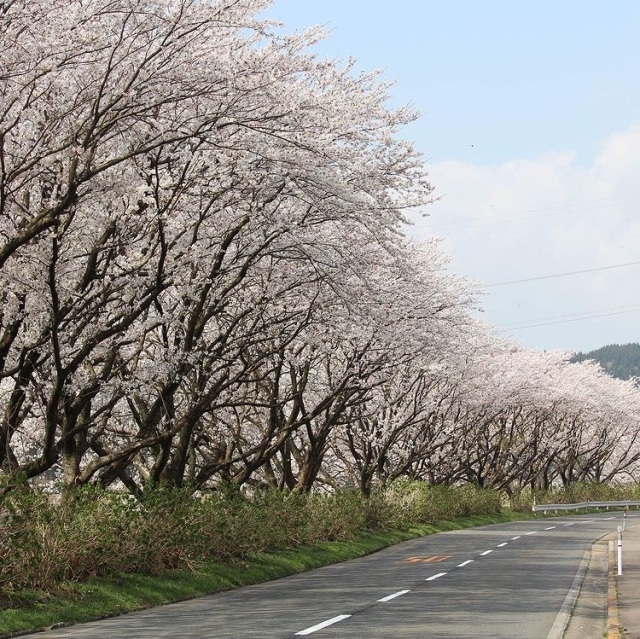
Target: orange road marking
(428, 560)
(436, 559)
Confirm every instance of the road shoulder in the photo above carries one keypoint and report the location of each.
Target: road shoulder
(589, 614)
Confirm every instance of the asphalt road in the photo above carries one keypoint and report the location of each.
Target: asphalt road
(504, 580)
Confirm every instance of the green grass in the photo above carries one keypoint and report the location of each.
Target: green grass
(76, 603)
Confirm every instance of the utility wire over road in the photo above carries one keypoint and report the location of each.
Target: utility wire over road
(566, 274)
(570, 317)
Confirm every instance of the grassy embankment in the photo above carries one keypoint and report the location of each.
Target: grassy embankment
(100, 555)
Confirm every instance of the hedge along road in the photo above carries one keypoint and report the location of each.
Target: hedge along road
(504, 580)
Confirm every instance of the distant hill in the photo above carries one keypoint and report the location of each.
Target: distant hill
(621, 360)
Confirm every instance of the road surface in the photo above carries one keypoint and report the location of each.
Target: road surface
(506, 580)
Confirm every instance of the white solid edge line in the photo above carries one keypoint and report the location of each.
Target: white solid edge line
(506, 543)
(486, 552)
(394, 595)
(465, 563)
(436, 576)
(562, 620)
(324, 624)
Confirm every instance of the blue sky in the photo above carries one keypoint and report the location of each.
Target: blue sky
(530, 130)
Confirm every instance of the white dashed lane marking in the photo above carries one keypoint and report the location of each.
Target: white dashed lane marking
(320, 626)
(394, 595)
(436, 576)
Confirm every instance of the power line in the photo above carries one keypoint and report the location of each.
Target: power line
(579, 315)
(566, 274)
(566, 321)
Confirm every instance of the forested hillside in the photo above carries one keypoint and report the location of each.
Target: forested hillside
(621, 360)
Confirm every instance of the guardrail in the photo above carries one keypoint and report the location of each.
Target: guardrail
(584, 504)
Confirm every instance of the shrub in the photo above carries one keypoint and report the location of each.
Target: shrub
(93, 532)
(404, 503)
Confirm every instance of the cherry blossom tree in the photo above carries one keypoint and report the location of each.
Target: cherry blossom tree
(155, 160)
(205, 278)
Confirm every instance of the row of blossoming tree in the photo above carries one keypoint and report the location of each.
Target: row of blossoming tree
(205, 276)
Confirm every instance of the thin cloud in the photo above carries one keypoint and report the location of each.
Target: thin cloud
(526, 218)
